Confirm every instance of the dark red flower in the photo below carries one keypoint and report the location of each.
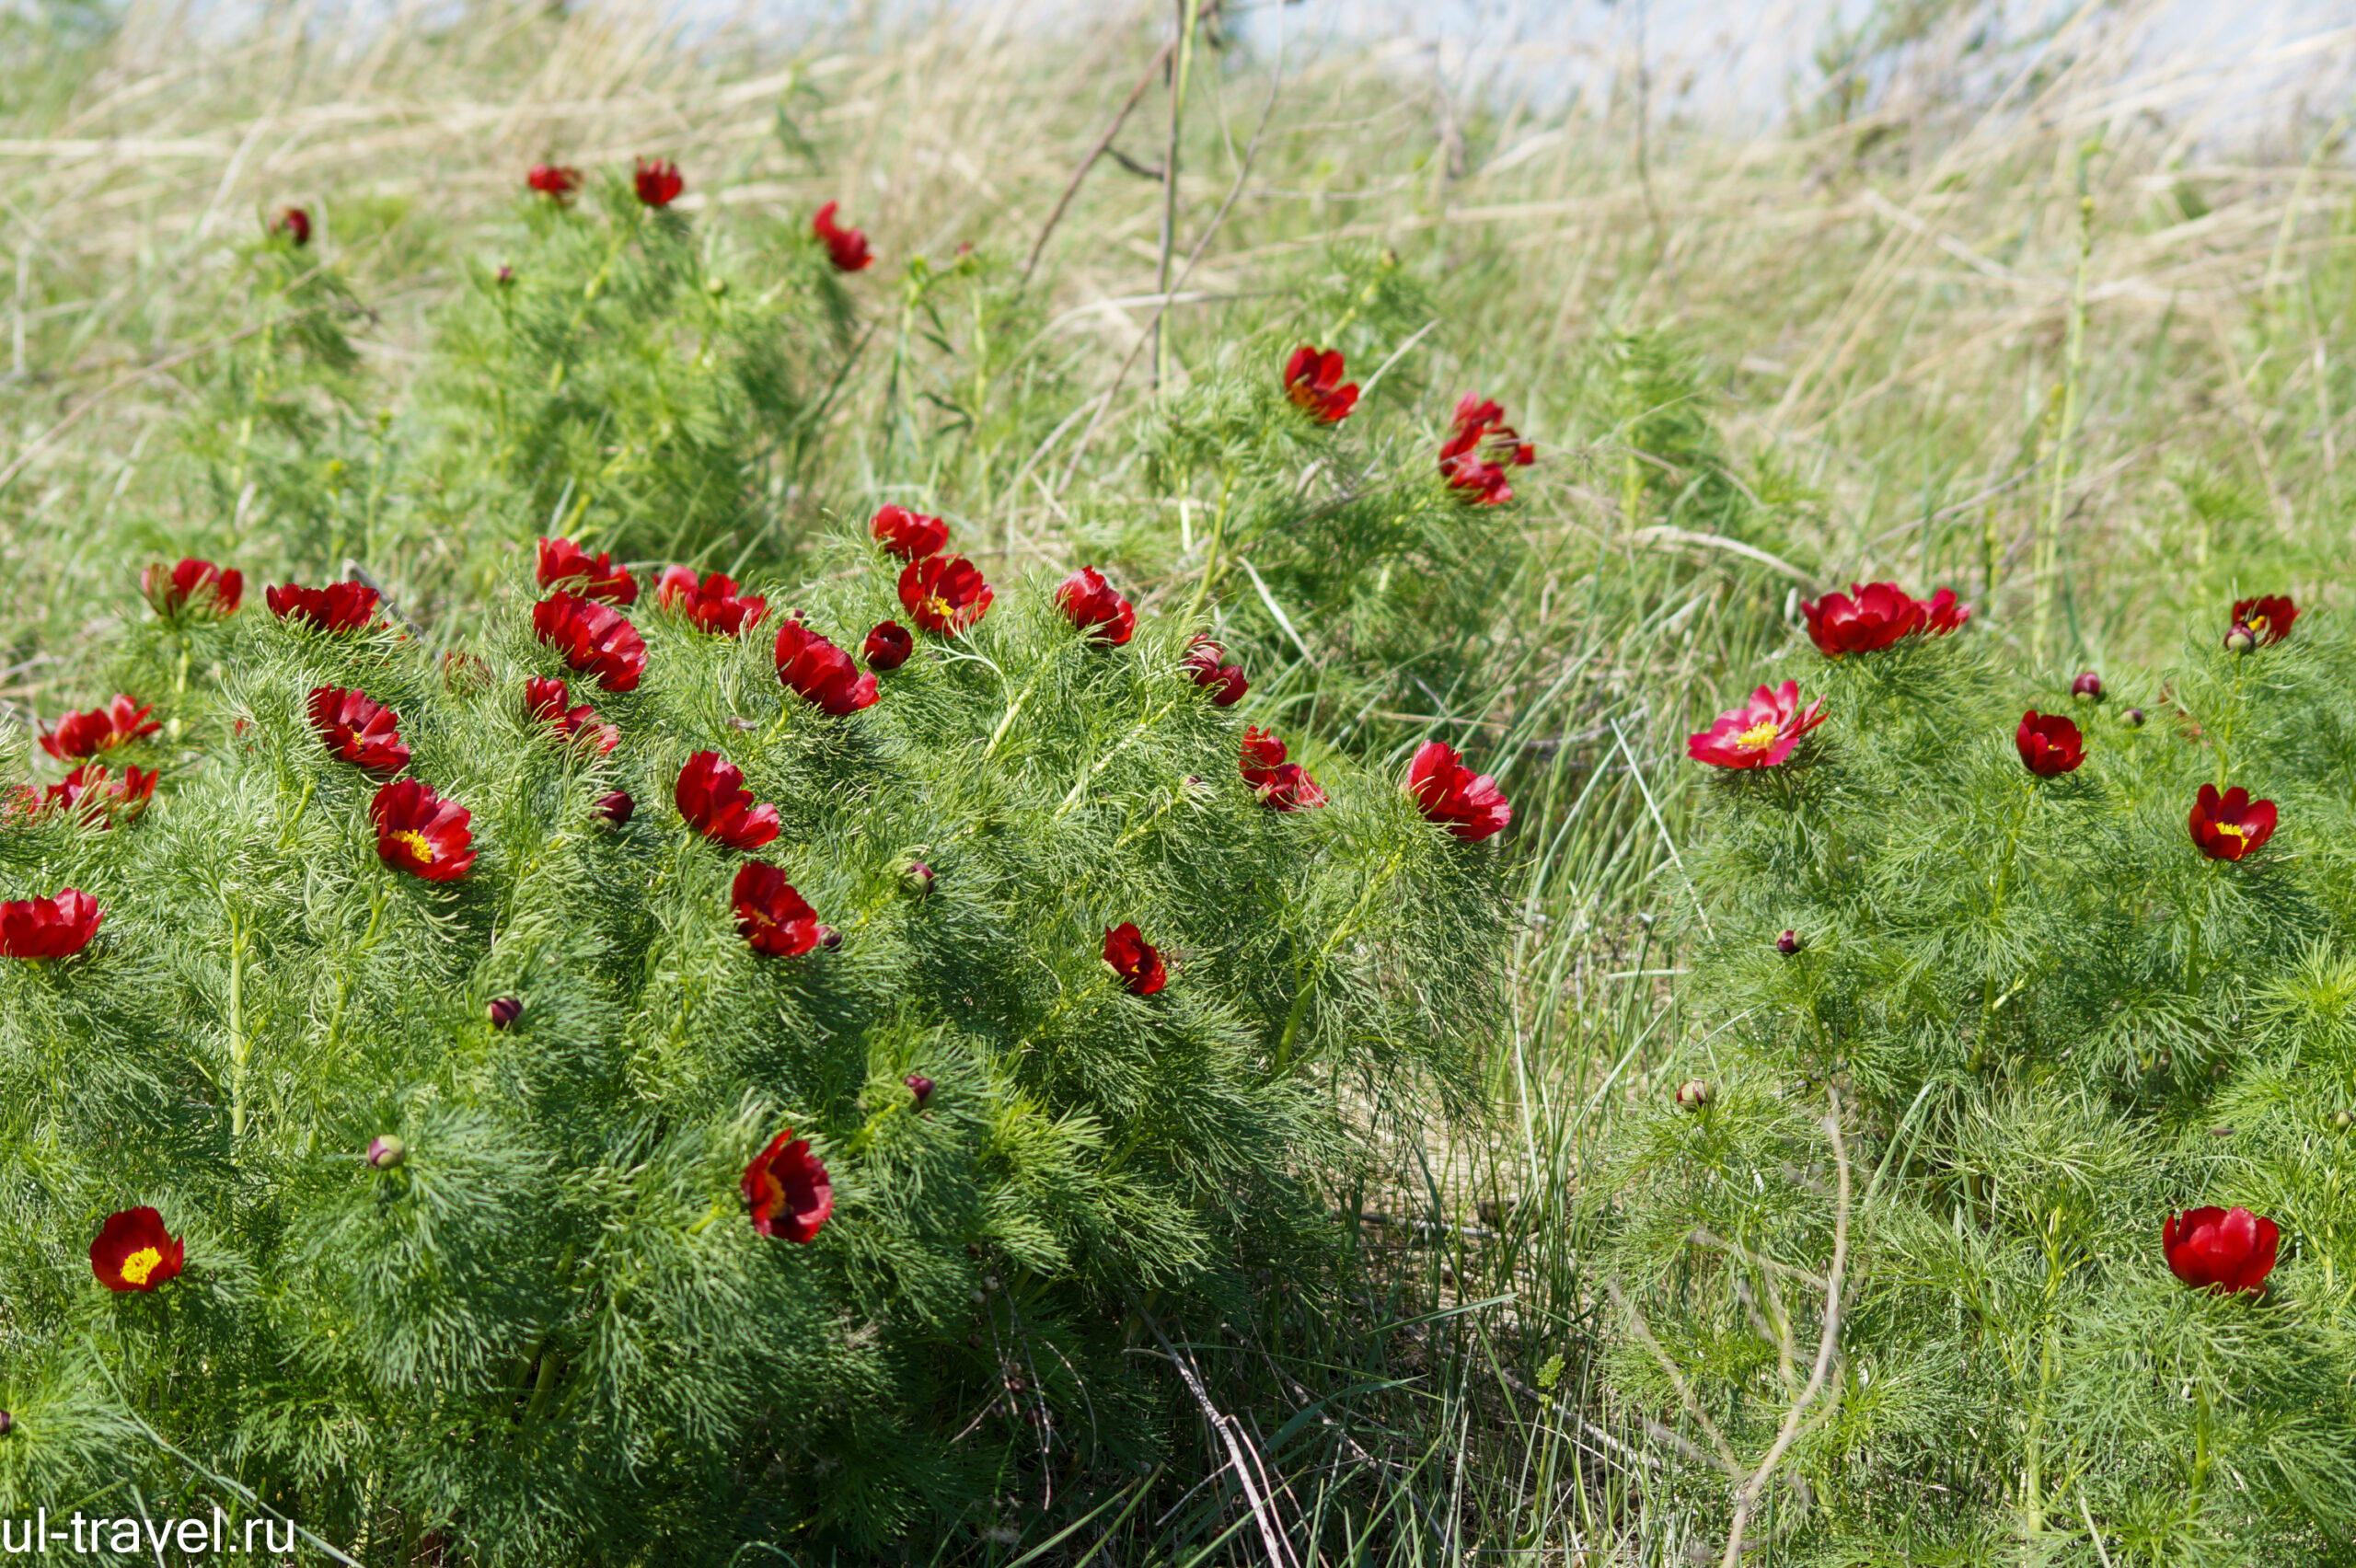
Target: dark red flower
(2227, 1250)
(1134, 959)
(2049, 744)
(362, 731)
(2269, 616)
(420, 833)
(845, 247)
(1314, 380)
(133, 1251)
(554, 181)
(822, 672)
(911, 536)
(613, 808)
(2228, 826)
(712, 602)
(944, 593)
(777, 921)
(339, 606)
(1474, 458)
(1468, 804)
(551, 702)
(659, 182)
(1226, 681)
(565, 564)
(196, 589)
(712, 798)
(77, 735)
(96, 795)
(49, 927)
(787, 1189)
(1944, 613)
(1760, 734)
(888, 647)
(295, 224)
(1283, 785)
(595, 640)
(1091, 603)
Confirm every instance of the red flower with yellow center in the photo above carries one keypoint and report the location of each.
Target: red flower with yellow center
(338, 608)
(659, 181)
(1474, 458)
(822, 672)
(1091, 603)
(2269, 616)
(712, 798)
(195, 589)
(133, 1251)
(2227, 1250)
(420, 833)
(49, 927)
(2228, 826)
(563, 564)
(594, 639)
(946, 594)
(787, 1189)
(1469, 805)
(911, 536)
(79, 735)
(774, 920)
(2049, 744)
(358, 729)
(1313, 380)
(1137, 961)
(888, 647)
(554, 181)
(98, 795)
(548, 701)
(1760, 734)
(1282, 786)
(712, 602)
(1226, 682)
(846, 247)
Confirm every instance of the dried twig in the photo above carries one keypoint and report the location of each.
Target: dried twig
(1104, 145)
(1244, 1463)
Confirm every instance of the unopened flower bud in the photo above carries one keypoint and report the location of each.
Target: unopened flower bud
(2241, 639)
(614, 809)
(504, 1011)
(2087, 687)
(920, 1085)
(2342, 1120)
(715, 287)
(829, 939)
(385, 1152)
(917, 878)
(8, 1424)
(2132, 718)
(1788, 943)
(1692, 1094)
(507, 277)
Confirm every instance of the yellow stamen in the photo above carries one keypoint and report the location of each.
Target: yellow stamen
(2236, 829)
(1760, 736)
(140, 1264)
(938, 607)
(417, 846)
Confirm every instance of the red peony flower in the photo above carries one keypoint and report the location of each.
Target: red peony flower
(551, 702)
(565, 564)
(360, 730)
(1760, 734)
(1469, 805)
(659, 182)
(2269, 618)
(295, 224)
(49, 927)
(1878, 615)
(1944, 613)
(822, 672)
(1091, 603)
(339, 606)
(1314, 380)
(132, 1251)
(420, 833)
(2049, 744)
(788, 1189)
(712, 604)
(777, 921)
(845, 247)
(911, 536)
(554, 181)
(2228, 1251)
(613, 808)
(1475, 458)
(1226, 681)
(1283, 785)
(944, 593)
(711, 795)
(1134, 959)
(2229, 826)
(196, 589)
(119, 724)
(594, 639)
(888, 647)
(96, 795)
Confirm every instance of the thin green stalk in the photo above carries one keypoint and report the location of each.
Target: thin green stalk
(1189, 12)
(237, 1042)
(2048, 541)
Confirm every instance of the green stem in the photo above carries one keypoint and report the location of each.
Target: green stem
(1211, 560)
(2049, 544)
(1188, 11)
(237, 1044)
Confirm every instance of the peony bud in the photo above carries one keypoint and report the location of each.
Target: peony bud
(2132, 718)
(1788, 943)
(504, 1011)
(829, 939)
(2087, 687)
(8, 1424)
(2343, 1120)
(2241, 639)
(920, 1085)
(385, 1152)
(507, 277)
(917, 878)
(1692, 1094)
(614, 809)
